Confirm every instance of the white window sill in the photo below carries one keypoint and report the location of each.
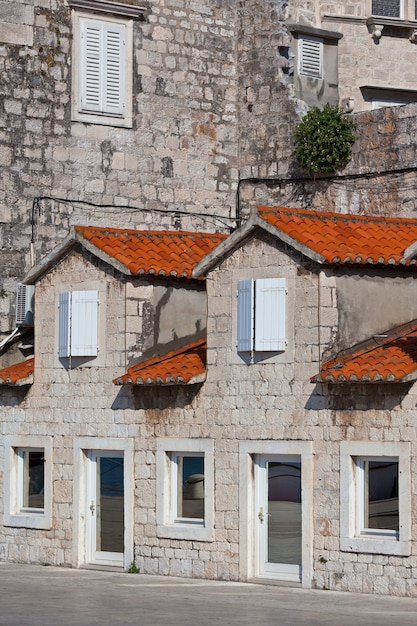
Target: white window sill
(186, 532)
(375, 545)
(104, 120)
(39, 521)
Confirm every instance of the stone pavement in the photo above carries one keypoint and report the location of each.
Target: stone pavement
(45, 596)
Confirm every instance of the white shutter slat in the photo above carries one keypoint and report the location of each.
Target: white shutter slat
(64, 325)
(84, 323)
(91, 36)
(114, 87)
(270, 322)
(311, 57)
(245, 292)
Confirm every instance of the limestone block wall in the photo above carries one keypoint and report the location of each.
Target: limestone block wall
(259, 403)
(174, 167)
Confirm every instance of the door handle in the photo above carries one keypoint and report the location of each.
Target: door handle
(92, 507)
(261, 515)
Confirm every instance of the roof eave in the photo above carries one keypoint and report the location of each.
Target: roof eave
(18, 383)
(173, 382)
(233, 242)
(51, 259)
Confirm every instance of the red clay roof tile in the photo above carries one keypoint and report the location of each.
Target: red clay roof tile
(179, 367)
(391, 357)
(17, 374)
(341, 238)
(163, 253)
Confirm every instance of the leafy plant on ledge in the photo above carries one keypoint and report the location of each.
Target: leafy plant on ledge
(324, 139)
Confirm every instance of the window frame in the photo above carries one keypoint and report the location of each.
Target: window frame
(15, 514)
(169, 524)
(403, 11)
(354, 537)
(408, 12)
(107, 118)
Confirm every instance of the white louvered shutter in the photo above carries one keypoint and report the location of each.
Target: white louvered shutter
(310, 53)
(245, 301)
(102, 67)
(115, 67)
(64, 325)
(270, 296)
(84, 323)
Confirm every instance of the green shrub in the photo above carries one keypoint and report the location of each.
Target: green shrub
(324, 139)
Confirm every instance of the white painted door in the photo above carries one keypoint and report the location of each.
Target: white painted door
(105, 508)
(278, 517)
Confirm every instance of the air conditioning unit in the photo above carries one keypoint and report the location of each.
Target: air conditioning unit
(24, 305)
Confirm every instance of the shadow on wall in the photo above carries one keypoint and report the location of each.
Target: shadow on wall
(155, 399)
(358, 396)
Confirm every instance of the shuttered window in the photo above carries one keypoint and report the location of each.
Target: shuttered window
(102, 67)
(310, 56)
(78, 324)
(261, 315)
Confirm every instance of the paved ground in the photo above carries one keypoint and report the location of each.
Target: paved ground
(32, 595)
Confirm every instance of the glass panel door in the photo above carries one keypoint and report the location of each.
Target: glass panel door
(106, 507)
(279, 517)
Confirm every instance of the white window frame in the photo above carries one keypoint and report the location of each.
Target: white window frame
(102, 113)
(78, 323)
(169, 525)
(15, 514)
(261, 317)
(310, 56)
(353, 536)
(404, 11)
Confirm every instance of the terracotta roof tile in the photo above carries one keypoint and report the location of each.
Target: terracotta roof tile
(183, 366)
(351, 239)
(162, 253)
(391, 357)
(18, 374)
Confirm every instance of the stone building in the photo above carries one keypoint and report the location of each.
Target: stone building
(194, 124)
(275, 443)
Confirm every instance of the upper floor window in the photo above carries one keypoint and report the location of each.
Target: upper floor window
(102, 70)
(387, 8)
(310, 56)
(261, 319)
(400, 9)
(78, 324)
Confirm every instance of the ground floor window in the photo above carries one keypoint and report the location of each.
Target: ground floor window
(28, 481)
(185, 489)
(375, 497)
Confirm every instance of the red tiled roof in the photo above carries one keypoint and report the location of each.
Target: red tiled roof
(17, 374)
(162, 253)
(185, 365)
(350, 239)
(391, 357)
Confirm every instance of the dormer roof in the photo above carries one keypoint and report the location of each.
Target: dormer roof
(389, 357)
(18, 374)
(183, 366)
(135, 252)
(327, 237)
